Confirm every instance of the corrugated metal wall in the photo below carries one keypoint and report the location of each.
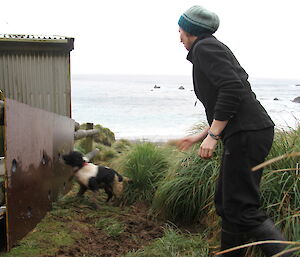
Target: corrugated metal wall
(35, 79)
(37, 73)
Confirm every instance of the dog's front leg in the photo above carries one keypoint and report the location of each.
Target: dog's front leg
(82, 190)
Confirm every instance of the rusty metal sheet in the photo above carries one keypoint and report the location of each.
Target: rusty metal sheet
(34, 141)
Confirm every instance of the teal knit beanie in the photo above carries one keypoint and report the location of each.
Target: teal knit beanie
(197, 20)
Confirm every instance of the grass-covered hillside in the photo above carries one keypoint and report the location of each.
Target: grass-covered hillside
(167, 210)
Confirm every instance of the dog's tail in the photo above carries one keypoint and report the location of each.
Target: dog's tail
(125, 179)
(119, 177)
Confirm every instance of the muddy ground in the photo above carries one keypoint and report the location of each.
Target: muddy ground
(138, 230)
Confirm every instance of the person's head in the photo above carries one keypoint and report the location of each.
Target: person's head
(195, 22)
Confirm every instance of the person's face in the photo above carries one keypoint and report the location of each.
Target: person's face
(186, 39)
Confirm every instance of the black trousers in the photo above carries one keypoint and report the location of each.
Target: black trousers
(237, 197)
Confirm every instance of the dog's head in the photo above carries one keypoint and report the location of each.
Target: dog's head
(74, 159)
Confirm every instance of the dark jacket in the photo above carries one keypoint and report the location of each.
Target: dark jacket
(221, 84)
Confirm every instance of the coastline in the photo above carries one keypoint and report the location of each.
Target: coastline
(134, 109)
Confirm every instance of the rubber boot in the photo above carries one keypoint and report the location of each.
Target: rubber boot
(229, 240)
(268, 231)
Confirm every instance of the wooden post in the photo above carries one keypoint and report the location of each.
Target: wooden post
(89, 156)
(87, 143)
(85, 133)
(77, 126)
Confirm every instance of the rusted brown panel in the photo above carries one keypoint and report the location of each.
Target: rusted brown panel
(35, 175)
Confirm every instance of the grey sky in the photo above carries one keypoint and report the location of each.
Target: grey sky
(141, 37)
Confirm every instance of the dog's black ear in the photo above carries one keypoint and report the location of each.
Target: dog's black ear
(64, 157)
(76, 154)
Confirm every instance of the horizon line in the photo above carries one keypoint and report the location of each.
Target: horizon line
(174, 75)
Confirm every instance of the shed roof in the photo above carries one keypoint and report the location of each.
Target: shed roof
(22, 42)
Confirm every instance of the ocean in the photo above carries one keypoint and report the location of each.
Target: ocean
(159, 108)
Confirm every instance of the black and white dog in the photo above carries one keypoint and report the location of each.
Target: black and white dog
(93, 177)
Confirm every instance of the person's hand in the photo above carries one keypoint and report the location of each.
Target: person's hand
(186, 142)
(207, 147)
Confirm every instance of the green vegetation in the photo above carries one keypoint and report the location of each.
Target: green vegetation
(105, 141)
(186, 193)
(49, 235)
(105, 136)
(146, 164)
(281, 184)
(175, 243)
(177, 187)
(121, 145)
(110, 226)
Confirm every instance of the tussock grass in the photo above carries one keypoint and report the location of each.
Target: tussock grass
(186, 193)
(281, 184)
(105, 136)
(105, 154)
(121, 145)
(146, 164)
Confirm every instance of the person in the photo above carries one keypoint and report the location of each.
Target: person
(236, 118)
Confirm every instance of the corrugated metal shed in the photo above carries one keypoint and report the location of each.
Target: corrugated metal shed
(35, 80)
(35, 70)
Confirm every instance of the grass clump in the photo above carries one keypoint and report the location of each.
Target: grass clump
(105, 136)
(174, 243)
(281, 184)
(105, 154)
(146, 164)
(186, 193)
(121, 145)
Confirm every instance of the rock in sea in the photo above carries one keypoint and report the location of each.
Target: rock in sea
(297, 100)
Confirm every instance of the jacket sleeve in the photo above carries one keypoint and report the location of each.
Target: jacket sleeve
(217, 64)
